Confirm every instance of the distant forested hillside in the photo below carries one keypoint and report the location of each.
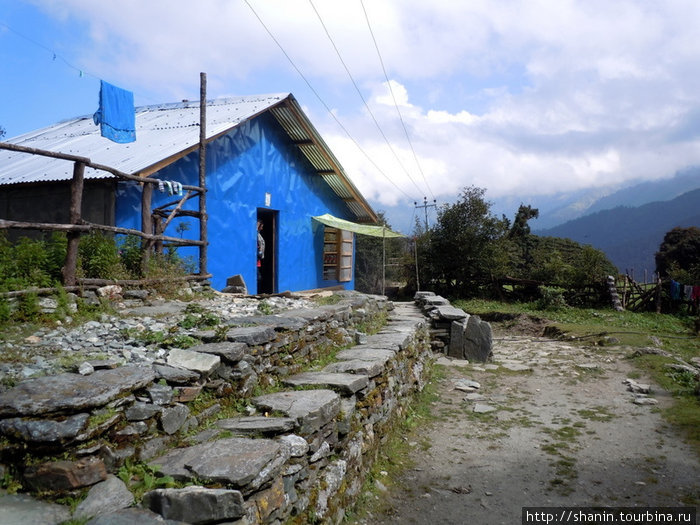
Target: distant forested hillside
(630, 236)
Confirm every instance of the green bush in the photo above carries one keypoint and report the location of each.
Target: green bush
(98, 257)
(550, 298)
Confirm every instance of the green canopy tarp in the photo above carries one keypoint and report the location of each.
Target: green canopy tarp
(362, 229)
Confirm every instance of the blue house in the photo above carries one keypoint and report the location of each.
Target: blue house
(265, 163)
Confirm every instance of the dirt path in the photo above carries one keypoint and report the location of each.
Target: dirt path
(564, 432)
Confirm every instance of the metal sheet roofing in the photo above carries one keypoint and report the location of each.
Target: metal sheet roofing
(167, 132)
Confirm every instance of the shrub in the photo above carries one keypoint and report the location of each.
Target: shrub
(98, 257)
(550, 298)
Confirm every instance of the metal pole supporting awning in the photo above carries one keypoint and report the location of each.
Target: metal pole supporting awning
(362, 229)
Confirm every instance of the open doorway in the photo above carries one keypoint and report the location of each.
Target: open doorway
(267, 264)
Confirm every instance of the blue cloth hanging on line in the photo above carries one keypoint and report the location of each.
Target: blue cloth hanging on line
(116, 116)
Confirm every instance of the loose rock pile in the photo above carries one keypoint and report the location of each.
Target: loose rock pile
(303, 450)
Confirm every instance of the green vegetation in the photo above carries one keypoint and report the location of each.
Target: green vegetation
(141, 478)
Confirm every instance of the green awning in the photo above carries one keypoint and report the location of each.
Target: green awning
(362, 229)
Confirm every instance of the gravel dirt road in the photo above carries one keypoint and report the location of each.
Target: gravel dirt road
(555, 426)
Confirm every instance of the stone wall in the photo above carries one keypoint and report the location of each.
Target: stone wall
(453, 331)
(243, 430)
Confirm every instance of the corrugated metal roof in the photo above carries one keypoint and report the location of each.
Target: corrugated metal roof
(165, 133)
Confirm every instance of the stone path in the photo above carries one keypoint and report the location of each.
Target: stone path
(551, 424)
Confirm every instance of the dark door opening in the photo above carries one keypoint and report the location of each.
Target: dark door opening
(267, 265)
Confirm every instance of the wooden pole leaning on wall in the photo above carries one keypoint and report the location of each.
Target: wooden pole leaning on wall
(203, 173)
(75, 214)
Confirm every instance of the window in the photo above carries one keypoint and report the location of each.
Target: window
(337, 254)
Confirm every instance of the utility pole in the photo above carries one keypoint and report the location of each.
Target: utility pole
(425, 207)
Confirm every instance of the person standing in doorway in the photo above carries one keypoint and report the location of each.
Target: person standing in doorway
(261, 250)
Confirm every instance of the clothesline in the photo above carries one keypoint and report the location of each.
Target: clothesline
(685, 292)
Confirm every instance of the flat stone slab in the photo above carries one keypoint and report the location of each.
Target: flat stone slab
(173, 374)
(196, 504)
(238, 462)
(311, 409)
(227, 350)
(366, 353)
(357, 366)
(257, 425)
(277, 322)
(450, 312)
(346, 384)
(483, 408)
(72, 392)
(195, 361)
(22, 508)
(251, 335)
(44, 430)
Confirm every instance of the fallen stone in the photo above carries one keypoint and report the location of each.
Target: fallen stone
(72, 392)
(483, 408)
(44, 431)
(65, 475)
(466, 385)
(474, 396)
(24, 509)
(640, 399)
(105, 497)
(516, 367)
(637, 388)
(346, 384)
(311, 409)
(444, 361)
(240, 462)
(85, 369)
(195, 504)
(195, 361)
(257, 425)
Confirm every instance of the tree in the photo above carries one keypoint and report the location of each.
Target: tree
(2, 132)
(464, 249)
(679, 255)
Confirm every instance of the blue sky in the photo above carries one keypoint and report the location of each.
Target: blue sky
(525, 98)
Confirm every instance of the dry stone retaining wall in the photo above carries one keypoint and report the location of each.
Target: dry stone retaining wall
(300, 453)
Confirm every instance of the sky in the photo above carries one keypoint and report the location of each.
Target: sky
(418, 100)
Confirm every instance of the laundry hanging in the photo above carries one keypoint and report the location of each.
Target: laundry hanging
(115, 115)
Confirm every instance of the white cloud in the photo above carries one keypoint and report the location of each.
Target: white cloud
(514, 96)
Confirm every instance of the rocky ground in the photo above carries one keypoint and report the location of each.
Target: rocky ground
(550, 424)
(124, 335)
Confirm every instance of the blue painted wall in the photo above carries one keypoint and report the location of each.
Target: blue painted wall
(243, 166)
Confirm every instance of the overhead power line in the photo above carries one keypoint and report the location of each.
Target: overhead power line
(364, 101)
(396, 105)
(320, 99)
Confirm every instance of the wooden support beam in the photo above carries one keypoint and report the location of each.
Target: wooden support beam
(76, 201)
(203, 172)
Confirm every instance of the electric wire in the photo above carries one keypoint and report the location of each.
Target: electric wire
(323, 103)
(396, 105)
(359, 92)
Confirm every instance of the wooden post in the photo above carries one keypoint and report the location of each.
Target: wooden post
(203, 173)
(658, 295)
(146, 223)
(76, 202)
